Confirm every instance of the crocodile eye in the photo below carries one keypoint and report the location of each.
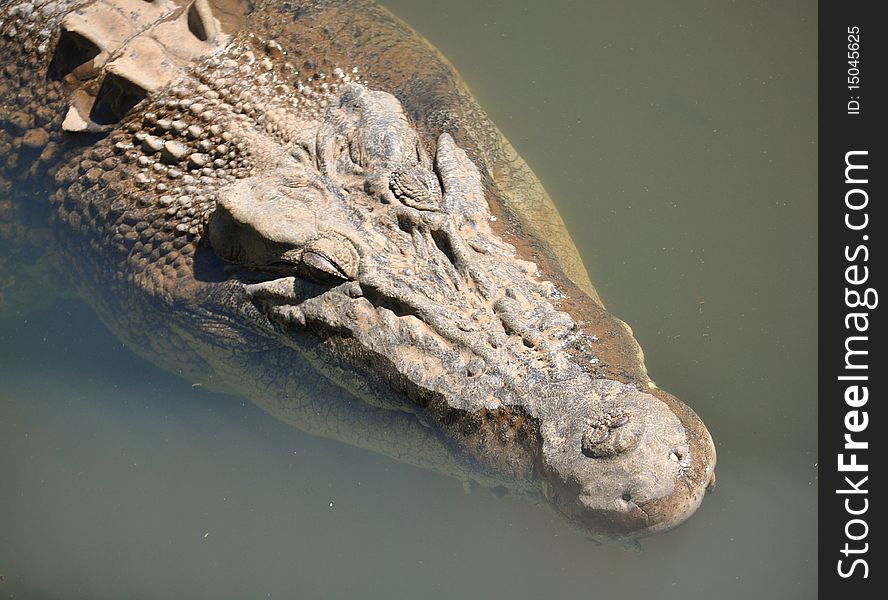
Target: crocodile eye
(321, 269)
(416, 187)
(330, 259)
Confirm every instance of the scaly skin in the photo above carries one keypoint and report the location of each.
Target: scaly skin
(301, 203)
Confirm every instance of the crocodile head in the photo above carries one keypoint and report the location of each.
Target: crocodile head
(356, 237)
(363, 245)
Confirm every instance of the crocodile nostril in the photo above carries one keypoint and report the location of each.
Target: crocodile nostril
(620, 421)
(609, 435)
(593, 439)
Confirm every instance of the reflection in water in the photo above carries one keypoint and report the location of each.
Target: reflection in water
(680, 146)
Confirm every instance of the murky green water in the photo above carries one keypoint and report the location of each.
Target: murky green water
(679, 140)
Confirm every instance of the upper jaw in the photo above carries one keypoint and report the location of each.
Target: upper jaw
(405, 280)
(617, 461)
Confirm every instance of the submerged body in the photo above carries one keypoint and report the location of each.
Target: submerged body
(301, 203)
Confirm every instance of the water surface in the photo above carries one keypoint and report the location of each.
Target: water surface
(679, 141)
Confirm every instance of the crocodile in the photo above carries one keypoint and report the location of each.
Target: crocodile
(301, 203)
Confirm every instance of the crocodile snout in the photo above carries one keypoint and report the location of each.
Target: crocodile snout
(639, 464)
